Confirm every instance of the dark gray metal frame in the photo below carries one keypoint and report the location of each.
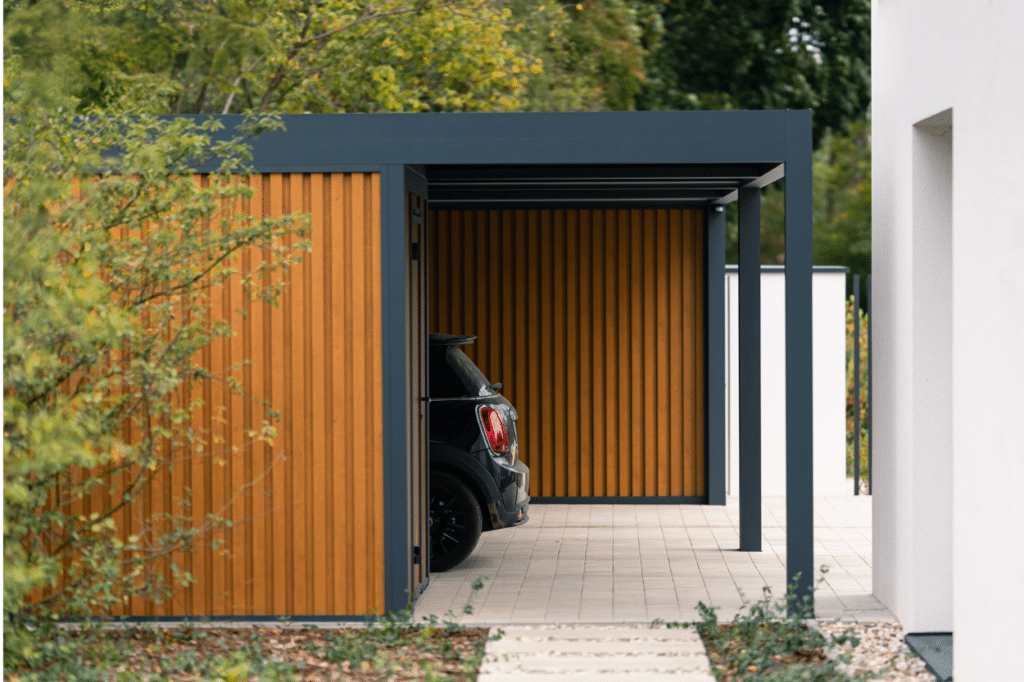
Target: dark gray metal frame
(714, 340)
(856, 384)
(612, 159)
(750, 368)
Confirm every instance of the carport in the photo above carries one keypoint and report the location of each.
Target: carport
(508, 165)
(345, 354)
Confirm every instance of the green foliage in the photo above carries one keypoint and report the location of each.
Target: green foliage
(851, 401)
(842, 200)
(841, 206)
(225, 56)
(591, 53)
(342, 55)
(93, 653)
(368, 645)
(50, 53)
(82, 656)
(112, 252)
(768, 54)
(770, 642)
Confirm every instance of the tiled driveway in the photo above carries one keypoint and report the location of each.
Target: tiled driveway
(635, 563)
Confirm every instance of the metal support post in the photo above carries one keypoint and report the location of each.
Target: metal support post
(856, 384)
(715, 374)
(799, 351)
(750, 368)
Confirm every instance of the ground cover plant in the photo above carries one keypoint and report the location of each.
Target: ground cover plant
(390, 647)
(771, 642)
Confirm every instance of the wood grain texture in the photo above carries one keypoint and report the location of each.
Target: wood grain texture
(593, 321)
(304, 511)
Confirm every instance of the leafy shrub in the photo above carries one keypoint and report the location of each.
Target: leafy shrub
(112, 251)
(862, 403)
(771, 642)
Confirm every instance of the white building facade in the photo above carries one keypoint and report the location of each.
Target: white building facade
(948, 356)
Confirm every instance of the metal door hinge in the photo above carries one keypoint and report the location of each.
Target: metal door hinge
(414, 251)
(416, 556)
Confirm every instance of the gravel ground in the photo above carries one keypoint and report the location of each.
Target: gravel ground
(881, 650)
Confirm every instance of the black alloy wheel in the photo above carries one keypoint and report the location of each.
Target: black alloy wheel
(455, 521)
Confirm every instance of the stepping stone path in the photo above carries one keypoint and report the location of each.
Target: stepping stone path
(596, 652)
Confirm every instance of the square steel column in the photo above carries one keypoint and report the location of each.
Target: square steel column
(395, 366)
(799, 387)
(750, 368)
(714, 387)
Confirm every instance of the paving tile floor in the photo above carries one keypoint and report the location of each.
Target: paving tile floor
(602, 564)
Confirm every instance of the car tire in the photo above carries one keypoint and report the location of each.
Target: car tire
(455, 521)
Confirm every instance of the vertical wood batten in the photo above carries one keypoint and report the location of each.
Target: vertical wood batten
(699, 345)
(282, 512)
(650, 370)
(371, 185)
(676, 402)
(585, 429)
(663, 390)
(597, 366)
(690, 329)
(241, 468)
(548, 365)
(316, 398)
(593, 321)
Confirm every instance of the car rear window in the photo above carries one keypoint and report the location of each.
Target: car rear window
(453, 375)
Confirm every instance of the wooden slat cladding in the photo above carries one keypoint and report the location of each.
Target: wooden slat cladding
(594, 322)
(306, 510)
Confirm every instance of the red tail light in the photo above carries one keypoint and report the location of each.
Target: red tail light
(494, 427)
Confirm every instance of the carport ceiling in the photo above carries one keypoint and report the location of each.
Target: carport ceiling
(593, 186)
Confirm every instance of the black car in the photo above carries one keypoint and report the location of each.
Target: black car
(477, 482)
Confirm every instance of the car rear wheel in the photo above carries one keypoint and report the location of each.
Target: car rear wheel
(455, 521)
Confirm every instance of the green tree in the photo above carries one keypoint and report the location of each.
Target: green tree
(109, 261)
(592, 53)
(764, 54)
(842, 203)
(112, 252)
(225, 56)
(841, 208)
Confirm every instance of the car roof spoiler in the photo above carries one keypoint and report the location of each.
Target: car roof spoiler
(437, 339)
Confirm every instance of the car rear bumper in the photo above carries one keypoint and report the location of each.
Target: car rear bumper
(512, 506)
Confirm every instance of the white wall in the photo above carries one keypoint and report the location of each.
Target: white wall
(828, 292)
(948, 265)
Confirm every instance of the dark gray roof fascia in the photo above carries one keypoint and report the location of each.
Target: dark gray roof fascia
(326, 142)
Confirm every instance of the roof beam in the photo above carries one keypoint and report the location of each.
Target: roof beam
(567, 204)
(499, 194)
(767, 178)
(535, 172)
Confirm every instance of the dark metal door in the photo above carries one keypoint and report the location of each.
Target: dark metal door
(416, 319)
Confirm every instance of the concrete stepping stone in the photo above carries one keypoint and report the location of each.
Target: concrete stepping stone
(601, 653)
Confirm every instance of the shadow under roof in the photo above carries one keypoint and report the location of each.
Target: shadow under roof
(471, 186)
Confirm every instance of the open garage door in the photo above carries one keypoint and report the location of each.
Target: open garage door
(594, 322)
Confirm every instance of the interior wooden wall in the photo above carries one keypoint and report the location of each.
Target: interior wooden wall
(594, 322)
